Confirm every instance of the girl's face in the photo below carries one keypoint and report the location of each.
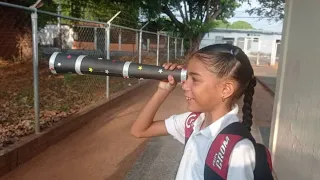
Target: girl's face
(202, 89)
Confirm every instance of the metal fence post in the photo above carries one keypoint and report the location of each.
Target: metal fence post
(158, 44)
(245, 48)
(175, 48)
(137, 41)
(168, 49)
(95, 39)
(107, 49)
(59, 26)
(140, 44)
(258, 55)
(182, 47)
(273, 53)
(34, 20)
(119, 40)
(148, 45)
(59, 19)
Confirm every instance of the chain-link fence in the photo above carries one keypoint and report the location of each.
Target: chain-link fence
(64, 94)
(31, 97)
(163, 48)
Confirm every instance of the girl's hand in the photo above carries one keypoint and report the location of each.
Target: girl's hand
(171, 83)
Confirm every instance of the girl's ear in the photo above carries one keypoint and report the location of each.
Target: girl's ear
(228, 89)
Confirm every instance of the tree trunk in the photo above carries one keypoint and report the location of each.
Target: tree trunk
(194, 44)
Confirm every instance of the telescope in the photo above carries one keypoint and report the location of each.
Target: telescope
(63, 63)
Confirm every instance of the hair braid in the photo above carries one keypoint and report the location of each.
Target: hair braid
(247, 102)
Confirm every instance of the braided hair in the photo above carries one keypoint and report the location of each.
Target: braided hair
(247, 103)
(226, 60)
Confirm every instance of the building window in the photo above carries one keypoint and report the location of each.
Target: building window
(240, 42)
(228, 40)
(241, 39)
(253, 34)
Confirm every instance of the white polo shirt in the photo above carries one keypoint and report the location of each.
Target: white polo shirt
(242, 159)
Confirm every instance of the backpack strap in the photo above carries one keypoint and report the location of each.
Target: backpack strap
(263, 169)
(217, 160)
(188, 126)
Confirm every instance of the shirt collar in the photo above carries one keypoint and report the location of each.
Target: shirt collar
(213, 129)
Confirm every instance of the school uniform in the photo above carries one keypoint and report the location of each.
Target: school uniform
(242, 159)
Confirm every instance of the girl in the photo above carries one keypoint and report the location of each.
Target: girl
(218, 75)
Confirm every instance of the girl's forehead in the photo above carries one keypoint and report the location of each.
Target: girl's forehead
(196, 64)
(197, 67)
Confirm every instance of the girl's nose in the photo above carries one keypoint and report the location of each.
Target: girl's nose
(185, 85)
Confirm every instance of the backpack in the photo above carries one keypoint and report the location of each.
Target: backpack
(217, 160)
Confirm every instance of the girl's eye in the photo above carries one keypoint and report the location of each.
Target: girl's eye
(194, 79)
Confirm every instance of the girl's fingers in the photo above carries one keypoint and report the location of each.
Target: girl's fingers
(173, 66)
(171, 80)
(167, 65)
(180, 66)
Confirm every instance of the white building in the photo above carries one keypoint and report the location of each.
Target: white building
(254, 40)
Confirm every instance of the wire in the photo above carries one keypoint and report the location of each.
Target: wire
(254, 17)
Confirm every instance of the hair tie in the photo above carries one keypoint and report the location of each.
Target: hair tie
(234, 52)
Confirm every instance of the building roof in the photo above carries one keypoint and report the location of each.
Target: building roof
(245, 31)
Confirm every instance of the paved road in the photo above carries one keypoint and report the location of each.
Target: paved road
(104, 148)
(268, 75)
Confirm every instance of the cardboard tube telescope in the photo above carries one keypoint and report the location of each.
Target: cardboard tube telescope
(61, 63)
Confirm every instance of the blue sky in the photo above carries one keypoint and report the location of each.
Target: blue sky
(255, 22)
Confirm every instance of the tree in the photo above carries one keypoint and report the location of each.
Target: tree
(18, 43)
(196, 16)
(189, 19)
(241, 25)
(103, 10)
(272, 9)
(45, 5)
(234, 25)
(221, 24)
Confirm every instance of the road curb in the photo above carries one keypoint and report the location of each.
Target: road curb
(269, 90)
(30, 146)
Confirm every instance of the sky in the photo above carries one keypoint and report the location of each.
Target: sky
(264, 24)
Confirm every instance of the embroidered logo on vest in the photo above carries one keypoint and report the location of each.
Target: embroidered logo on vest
(218, 157)
(190, 120)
